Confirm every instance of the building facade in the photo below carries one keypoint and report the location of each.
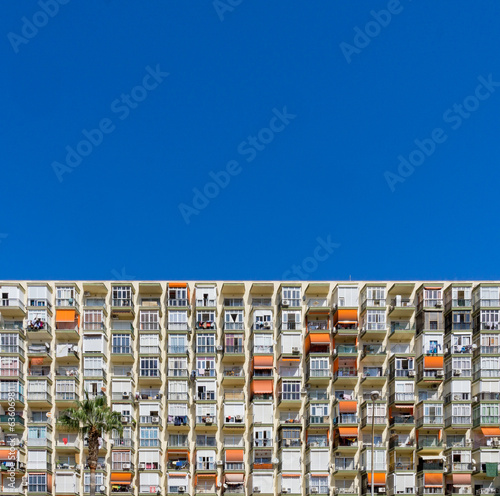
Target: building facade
(248, 388)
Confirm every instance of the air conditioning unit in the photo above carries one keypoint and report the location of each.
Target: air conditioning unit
(411, 373)
(182, 489)
(126, 466)
(239, 418)
(142, 466)
(457, 397)
(285, 303)
(303, 390)
(288, 442)
(284, 490)
(220, 463)
(102, 488)
(25, 483)
(126, 396)
(476, 399)
(124, 420)
(256, 489)
(155, 420)
(381, 489)
(439, 373)
(209, 421)
(220, 347)
(474, 346)
(314, 490)
(295, 350)
(457, 372)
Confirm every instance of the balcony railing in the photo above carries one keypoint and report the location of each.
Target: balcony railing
(479, 374)
(12, 349)
(122, 302)
(39, 442)
(181, 396)
(39, 396)
(262, 443)
(318, 325)
(149, 373)
(492, 350)
(16, 396)
(487, 397)
(290, 417)
(346, 418)
(344, 464)
(235, 350)
(346, 372)
(234, 326)
(262, 349)
(234, 372)
(150, 419)
(177, 349)
(429, 443)
(94, 326)
(206, 302)
(287, 396)
(458, 420)
(206, 419)
(318, 419)
(487, 420)
(402, 420)
(172, 372)
(177, 302)
(67, 396)
(123, 442)
(430, 420)
(122, 350)
(401, 397)
(289, 326)
(128, 466)
(178, 326)
(12, 302)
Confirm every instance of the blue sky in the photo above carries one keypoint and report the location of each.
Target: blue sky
(301, 110)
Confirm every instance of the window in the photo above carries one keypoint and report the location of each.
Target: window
(121, 343)
(177, 367)
(65, 390)
(149, 367)
(9, 343)
(290, 320)
(177, 343)
(122, 296)
(86, 481)
(93, 343)
(93, 366)
(205, 367)
(65, 296)
(321, 483)
(93, 320)
(233, 343)
(149, 436)
(181, 440)
(149, 344)
(263, 437)
(290, 391)
(233, 320)
(178, 320)
(37, 460)
(292, 295)
(205, 319)
(150, 320)
(37, 483)
(375, 319)
(263, 343)
(205, 343)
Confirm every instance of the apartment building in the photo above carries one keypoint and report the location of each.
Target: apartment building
(254, 388)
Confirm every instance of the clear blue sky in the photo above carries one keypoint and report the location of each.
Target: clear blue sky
(355, 102)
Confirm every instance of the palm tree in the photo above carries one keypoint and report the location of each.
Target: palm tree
(91, 418)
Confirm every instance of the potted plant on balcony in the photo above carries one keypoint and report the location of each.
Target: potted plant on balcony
(91, 418)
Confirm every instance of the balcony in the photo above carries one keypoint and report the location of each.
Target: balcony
(290, 443)
(486, 397)
(234, 350)
(11, 372)
(262, 443)
(39, 327)
(233, 375)
(151, 419)
(12, 420)
(12, 396)
(378, 420)
(123, 442)
(346, 373)
(318, 325)
(178, 420)
(12, 349)
(486, 420)
(178, 326)
(318, 375)
(318, 420)
(207, 420)
(287, 326)
(289, 396)
(290, 418)
(373, 351)
(263, 349)
(40, 397)
(206, 325)
(456, 397)
(12, 307)
(177, 302)
(206, 302)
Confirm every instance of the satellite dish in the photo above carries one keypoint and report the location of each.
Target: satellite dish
(102, 488)
(48, 414)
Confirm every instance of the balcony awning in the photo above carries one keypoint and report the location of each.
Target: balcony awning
(290, 359)
(291, 475)
(262, 387)
(461, 479)
(432, 457)
(319, 338)
(348, 431)
(433, 362)
(65, 315)
(212, 477)
(348, 406)
(171, 475)
(4, 454)
(433, 480)
(234, 456)
(378, 478)
(491, 431)
(234, 478)
(345, 316)
(177, 284)
(121, 478)
(263, 362)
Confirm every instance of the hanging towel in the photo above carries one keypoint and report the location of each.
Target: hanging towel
(491, 469)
